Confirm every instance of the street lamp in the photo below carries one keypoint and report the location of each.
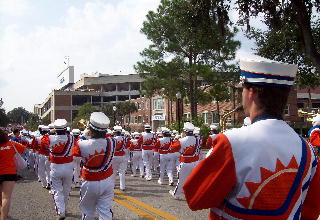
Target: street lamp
(114, 108)
(178, 96)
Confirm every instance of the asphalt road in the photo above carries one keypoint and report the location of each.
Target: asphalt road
(141, 200)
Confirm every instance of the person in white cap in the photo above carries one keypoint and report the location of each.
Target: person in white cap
(136, 150)
(262, 171)
(166, 162)
(189, 147)
(212, 136)
(97, 190)
(76, 160)
(60, 146)
(147, 141)
(314, 133)
(44, 163)
(119, 162)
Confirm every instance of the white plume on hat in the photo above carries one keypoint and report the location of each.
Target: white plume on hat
(188, 126)
(60, 124)
(99, 121)
(196, 130)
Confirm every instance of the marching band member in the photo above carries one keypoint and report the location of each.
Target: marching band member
(212, 136)
(61, 159)
(37, 148)
(166, 162)
(44, 164)
(76, 160)
(136, 150)
(262, 171)
(189, 147)
(196, 133)
(156, 155)
(97, 190)
(119, 162)
(147, 140)
(314, 133)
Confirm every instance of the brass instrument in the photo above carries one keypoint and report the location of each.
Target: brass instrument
(308, 115)
(82, 124)
(223, 118)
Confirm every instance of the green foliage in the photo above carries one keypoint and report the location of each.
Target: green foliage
(4, 120)
(33, 122)
(46, 120)
(184, 44)
(18, 115)
(84, 113)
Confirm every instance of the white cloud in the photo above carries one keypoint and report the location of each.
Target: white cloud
(100, 36)
(14, 7)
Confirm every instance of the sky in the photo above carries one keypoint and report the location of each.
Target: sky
(98, 35)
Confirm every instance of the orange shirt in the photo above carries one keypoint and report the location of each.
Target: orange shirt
(7, 153)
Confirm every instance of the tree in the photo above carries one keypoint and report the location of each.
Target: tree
(4, 120)
(84, 113)
(123, 109)
(33, 122)
(182, 43)
(18, 115)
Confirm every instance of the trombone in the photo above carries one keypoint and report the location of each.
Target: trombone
(223, 118)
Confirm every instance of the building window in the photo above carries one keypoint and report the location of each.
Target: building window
(139, 119)
(287, 110)
(214, 117)
(300, 105)
(205, 117)
(315, 105)
(158, 104)
(186, 115)
(142, 105)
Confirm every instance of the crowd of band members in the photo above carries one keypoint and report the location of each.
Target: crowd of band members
(51, 152)
(145, 155)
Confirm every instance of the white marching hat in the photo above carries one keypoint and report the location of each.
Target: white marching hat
(117, 128)
(51, 126)
(246, 121)
(188, 126)
(261, 71)
(316, 119)
(45, 128)
(165, 130)
(135, 134)
(60, 124)
(147, 127)
(213, 127)
(75, 131)
(99, 121)
(196, 130)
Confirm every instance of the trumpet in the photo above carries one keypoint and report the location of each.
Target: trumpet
(223, 118)
(82, 124)
(308, 115)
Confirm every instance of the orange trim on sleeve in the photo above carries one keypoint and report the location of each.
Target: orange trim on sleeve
(213, 178)
(315, 138)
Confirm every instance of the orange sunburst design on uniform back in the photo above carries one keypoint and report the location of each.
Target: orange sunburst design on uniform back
(95, 160)
(271, 192)
(58, 148)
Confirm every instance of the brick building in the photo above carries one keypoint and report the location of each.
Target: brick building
(96, 89)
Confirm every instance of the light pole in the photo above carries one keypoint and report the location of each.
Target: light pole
(114, 108)
(178, 96)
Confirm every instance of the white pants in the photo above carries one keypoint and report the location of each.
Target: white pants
(147, 157)
(31, 160)
(42, 170)
(156, 161)
(137, 162)
(97, 195)
(48, 169)
(119, 163)
(76, 169)
(36, 164)
(61, 178)
(184, 171)
(166, 165)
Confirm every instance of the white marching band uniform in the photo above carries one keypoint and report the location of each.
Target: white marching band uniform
(136, 151)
